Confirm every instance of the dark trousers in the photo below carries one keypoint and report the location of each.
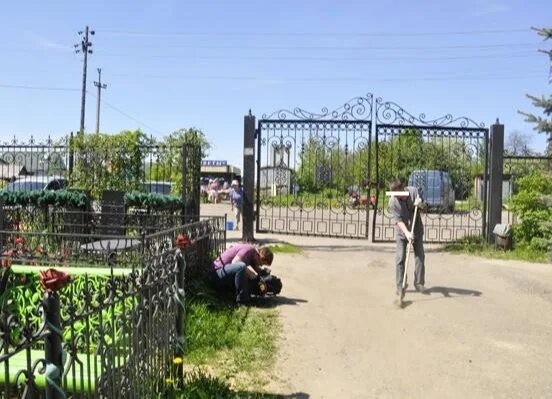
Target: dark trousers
(233, 276)
(419, 256)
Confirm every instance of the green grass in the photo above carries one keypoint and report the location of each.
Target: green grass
(237, 343)
(285, 248)
(199, 384)
(476, 245)
(467, 205)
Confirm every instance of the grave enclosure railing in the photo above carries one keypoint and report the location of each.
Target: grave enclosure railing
(94, 312)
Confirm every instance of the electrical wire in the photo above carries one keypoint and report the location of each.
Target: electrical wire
(46, 88)
(317, 58)
(489, 76)
(111, 32)
(308, 47)
(120, 111)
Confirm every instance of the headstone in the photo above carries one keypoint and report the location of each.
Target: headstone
(112, 218)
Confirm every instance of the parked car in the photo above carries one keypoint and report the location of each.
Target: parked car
(38, 183)
(435, 187)
(158, 187)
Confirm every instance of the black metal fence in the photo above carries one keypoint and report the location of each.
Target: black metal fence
(441, 157)
(310, 166)
(326, 173)
(102, 331)
(515, 167)
(94, 164)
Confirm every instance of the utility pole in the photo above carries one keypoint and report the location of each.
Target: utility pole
(100, 86)
(84, 48)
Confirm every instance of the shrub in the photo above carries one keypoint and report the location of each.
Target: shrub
(532, 206)
(152, 201)
(58, 198)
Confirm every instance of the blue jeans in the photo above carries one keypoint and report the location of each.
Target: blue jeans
(419, 255)
(234, 275)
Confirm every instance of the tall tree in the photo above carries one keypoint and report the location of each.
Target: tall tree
(109, 162)
(543, 124)
(518, 143)
(167, 162)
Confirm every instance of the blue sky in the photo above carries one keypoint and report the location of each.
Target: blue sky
(173, 64)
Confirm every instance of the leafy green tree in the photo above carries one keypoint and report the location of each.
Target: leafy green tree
(533, 205)
(166, 164)
(314, 169)
(542, 124)
(109, 162)
(400, 154)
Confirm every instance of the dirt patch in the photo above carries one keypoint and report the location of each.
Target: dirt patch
(483, 330)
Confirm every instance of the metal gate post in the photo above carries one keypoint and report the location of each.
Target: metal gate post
(52, 346)
(496, 164)
(248, 177)
(184, 186)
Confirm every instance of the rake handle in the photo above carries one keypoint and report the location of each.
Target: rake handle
(409, 248)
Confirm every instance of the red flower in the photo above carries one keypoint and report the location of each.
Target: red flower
(182, 241)
(19, 241)
(54, 280)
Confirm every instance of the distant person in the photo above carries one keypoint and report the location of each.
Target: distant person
(239, 267)
(295, 190)
(213, 191)
(236, 201)
(402, 212)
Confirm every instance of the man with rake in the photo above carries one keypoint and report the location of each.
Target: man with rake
(404, 203)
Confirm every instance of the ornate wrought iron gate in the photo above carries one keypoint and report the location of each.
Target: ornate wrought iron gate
(325, 174)
(446, 158)
(312, 171)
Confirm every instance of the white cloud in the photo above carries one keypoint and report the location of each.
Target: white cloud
(489, 7)
(47, 43)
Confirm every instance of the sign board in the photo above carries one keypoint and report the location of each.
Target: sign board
(207, 162)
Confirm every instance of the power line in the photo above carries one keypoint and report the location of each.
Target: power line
(284, 47)
(253, 34)
(45, 88)
(520, 54)
(489, 76)
(120, 111)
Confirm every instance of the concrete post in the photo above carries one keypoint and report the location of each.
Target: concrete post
(496, 165)
(248, 179)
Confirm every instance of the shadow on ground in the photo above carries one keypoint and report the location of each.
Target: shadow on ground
(448, 291)
(278, 300)
(388, 247)
(296, 395)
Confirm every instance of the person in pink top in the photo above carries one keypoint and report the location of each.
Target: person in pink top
(238, 266)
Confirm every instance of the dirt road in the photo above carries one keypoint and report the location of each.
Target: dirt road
(485, 330)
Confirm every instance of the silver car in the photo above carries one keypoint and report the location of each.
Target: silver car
(38, 183)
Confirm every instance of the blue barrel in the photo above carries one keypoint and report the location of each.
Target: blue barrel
(229, 225)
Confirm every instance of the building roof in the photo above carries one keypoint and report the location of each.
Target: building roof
(36, 162)
(10, 171)
(221, 169)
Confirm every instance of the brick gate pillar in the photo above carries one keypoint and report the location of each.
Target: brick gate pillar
(496, 164)
(248, 178)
